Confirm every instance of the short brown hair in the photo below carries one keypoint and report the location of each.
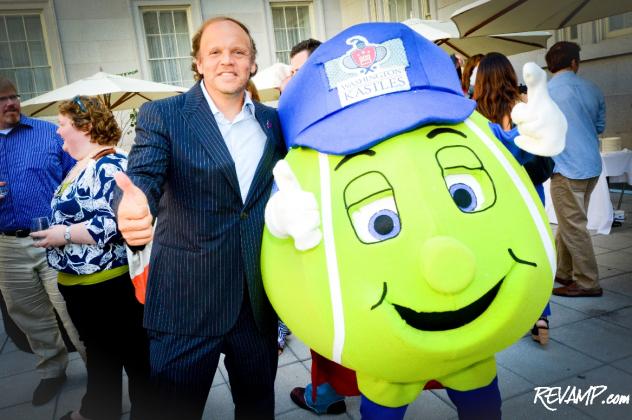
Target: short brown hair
(197, 38)
(7, 85)
(90, 115)
(561, 55)
(308, 45)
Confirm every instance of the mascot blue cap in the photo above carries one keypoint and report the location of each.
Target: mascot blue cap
(408, 79)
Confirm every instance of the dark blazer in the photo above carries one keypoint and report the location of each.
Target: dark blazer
(207, 243)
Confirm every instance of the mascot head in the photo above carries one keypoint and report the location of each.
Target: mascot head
(435, 252)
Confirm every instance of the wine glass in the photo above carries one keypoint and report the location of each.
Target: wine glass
(39, 223)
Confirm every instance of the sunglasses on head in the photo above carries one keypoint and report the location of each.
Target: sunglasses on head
(77, 101)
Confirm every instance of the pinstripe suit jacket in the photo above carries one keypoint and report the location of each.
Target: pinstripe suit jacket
(207, 241)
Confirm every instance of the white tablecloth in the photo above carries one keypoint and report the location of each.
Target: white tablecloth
(618, 166)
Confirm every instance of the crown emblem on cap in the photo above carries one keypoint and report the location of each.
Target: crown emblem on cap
(363, 55)
(367, 70)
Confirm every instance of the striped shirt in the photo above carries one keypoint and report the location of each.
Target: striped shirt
(33, 164)
(244, 139)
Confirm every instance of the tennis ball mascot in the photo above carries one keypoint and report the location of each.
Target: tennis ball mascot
(404, 241)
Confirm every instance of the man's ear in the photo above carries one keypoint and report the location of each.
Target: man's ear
(253, 69)
(197, 65)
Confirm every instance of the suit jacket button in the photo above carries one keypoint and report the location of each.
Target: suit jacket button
(243, 215)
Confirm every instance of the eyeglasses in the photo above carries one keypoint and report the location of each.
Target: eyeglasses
(77, 100)
(12, 98)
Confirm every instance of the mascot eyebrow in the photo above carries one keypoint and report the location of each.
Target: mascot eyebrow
(347, 158)
(444, 130)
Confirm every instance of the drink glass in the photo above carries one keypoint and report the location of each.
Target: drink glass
(39, 223)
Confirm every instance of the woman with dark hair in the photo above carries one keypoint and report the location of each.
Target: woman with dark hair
(496, 89)
(496, 93)
(86, 248)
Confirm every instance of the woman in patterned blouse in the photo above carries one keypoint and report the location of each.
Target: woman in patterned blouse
(86, 248)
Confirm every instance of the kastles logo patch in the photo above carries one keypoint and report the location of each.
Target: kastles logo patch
(363, 55)
(368, 70)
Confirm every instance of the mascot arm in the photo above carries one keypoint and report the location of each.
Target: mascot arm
(541, 123)
(292, 211)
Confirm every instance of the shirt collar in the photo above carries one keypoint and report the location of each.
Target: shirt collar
(565, 74)
(24, 121)
(248, 107)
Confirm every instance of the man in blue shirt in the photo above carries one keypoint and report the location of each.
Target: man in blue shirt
(32, 165)
(576, 171)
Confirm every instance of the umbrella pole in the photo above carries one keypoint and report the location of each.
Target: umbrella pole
(494, 17)
(573, 13)
(449, 44)
(42, 109)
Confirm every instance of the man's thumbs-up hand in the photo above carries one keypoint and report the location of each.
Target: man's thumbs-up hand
(134, 218)
(292, 211)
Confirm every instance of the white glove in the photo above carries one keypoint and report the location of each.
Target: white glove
(292, 211)
(541, 124)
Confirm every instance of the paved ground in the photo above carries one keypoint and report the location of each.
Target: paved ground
(591, 345)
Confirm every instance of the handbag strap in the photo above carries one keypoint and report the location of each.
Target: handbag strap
(104, 152)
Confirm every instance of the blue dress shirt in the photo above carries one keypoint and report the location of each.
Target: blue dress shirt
(583, 105)
(33, 164)
(244, 139)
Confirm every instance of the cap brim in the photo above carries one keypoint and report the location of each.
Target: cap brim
(362, 125)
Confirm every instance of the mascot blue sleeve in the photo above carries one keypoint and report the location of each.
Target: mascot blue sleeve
(507, 138)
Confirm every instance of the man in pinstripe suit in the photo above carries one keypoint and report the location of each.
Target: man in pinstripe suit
(202, 162)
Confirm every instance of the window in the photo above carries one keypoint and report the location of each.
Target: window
(23, 54)
(619, 25)
(291, 23)
(398, 10)
(571, 33)
(168, 46)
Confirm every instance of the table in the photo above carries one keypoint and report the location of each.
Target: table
(618, 167)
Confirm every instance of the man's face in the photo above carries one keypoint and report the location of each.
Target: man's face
(9, 109)
(298, 60)
(225, 59)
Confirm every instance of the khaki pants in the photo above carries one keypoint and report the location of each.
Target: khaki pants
(575, 254)
(29, 287)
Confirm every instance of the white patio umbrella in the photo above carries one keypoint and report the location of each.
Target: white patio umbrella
(446, 35)
(487, 17)
(268, 81)
(118, 93)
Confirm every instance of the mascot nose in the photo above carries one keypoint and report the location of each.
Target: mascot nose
(447, 264)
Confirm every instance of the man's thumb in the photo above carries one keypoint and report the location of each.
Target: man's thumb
(128, 187)
(124, 183)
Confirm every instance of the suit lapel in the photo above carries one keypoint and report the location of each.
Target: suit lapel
(263, 172)
(197, 115)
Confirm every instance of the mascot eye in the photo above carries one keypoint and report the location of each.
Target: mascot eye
(376, 221)
(466, 192)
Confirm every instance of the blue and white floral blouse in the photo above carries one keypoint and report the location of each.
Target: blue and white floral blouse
(89, 200)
